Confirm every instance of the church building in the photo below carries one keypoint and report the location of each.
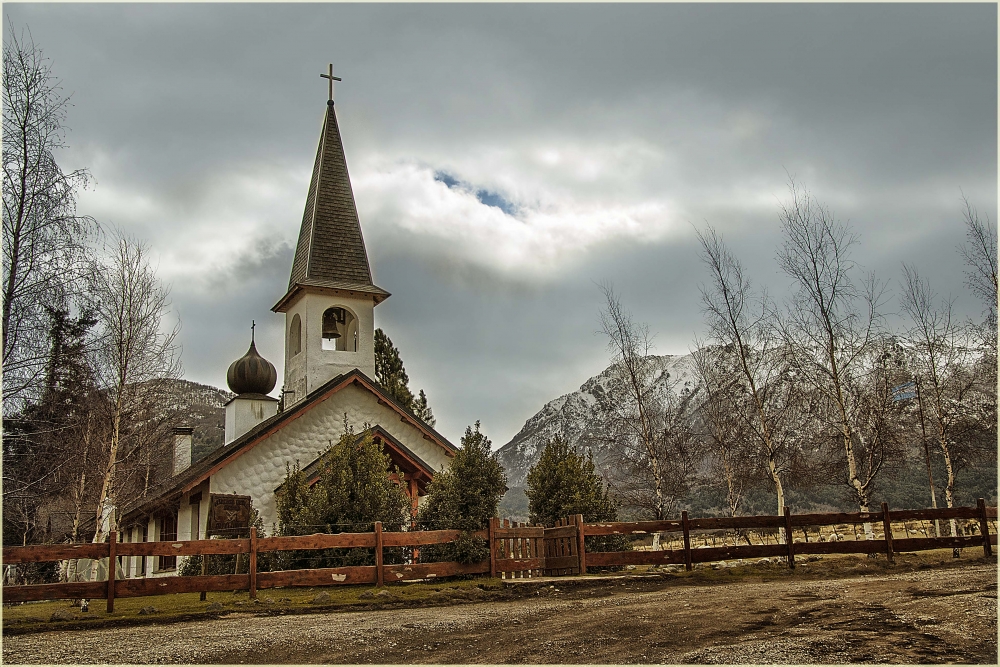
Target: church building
(329, 369)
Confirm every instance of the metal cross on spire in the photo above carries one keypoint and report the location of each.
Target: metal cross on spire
(332, 78)
(253, 325)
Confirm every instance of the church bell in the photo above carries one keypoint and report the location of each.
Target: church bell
(332, 319)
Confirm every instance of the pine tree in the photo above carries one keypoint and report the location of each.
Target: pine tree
(563, 483)
(354, 491)
(465, 498)
(45, 445)
(390, 373)
(423, 410)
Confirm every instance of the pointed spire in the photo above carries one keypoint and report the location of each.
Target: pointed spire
(331, 250)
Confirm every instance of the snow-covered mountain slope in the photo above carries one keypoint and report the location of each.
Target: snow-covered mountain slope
(573, 416)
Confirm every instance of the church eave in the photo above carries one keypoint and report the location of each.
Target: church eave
(377, 294)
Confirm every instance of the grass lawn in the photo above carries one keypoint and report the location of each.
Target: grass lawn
(189, 605)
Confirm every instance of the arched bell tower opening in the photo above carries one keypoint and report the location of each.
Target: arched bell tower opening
(340, 330)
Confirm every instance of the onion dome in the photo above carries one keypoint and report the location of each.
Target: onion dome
(252, 373)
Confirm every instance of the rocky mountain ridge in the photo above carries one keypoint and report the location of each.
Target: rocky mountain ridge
(574, 415)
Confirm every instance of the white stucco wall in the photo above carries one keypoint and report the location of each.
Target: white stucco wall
(259, 471)
(314, 366)
(242, 414)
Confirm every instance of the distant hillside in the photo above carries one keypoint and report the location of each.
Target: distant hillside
(200, 406)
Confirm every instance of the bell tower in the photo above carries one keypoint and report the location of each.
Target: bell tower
(330, 303)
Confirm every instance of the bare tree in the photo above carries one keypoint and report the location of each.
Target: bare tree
(742, 323)
(832, 325)
(43, 236)
(980, 253)
(943, 361)
(133, 352)
(731, 444)
(634, 422)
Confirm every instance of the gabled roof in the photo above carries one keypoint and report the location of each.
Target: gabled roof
(331, 250)
(215, 461)
(407, 461)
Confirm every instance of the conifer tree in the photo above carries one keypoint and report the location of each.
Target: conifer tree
(422, 409)
(563, 483)
(45, 445)
(390, 373)
(464, 498)
(354, 491)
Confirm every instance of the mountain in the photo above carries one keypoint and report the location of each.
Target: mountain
(902, 483)
(200, 406)
(573, 416)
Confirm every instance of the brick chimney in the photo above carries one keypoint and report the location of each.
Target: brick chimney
(182, 448)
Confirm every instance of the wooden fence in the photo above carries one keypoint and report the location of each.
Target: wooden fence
(516, 551)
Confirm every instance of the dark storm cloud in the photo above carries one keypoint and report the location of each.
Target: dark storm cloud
(505, 158)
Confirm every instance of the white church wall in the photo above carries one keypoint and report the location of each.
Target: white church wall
(259, 471)
(242, 414)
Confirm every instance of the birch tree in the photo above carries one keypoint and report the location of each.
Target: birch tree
(943, 361)
(832, 324)
(133, 351)
(43, 236)
(635, 371)
(980, 253)
(741, 322)
(734, 454)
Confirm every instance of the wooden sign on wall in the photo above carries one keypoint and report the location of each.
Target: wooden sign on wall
(228, 515)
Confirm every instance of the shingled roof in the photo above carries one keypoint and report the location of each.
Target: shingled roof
(331, 250)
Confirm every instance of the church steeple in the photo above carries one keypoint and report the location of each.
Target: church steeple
(329, 318)
(331, 249)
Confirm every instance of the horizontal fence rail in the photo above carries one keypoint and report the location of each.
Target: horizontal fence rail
(515, 551)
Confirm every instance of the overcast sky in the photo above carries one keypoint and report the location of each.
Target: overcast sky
(506, 158)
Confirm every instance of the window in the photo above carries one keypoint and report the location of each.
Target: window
(295, 336)
(340, 330)
(168, 533)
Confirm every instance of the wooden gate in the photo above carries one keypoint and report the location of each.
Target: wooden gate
(516, 550)
(563, 546)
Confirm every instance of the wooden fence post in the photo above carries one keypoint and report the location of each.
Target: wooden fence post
(379, 581)
(112, 560)
(887, 529)
(685, 525)
(492, 538)
(580, 546)
(253, 562)
(984, 527)
(789, 540)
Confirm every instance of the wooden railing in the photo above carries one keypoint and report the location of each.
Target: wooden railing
(516, 551)
(252, 581)
(789, 547)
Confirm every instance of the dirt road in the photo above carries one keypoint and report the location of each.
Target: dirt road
(937, 615)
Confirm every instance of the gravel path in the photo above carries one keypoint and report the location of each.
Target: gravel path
(946, 615)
